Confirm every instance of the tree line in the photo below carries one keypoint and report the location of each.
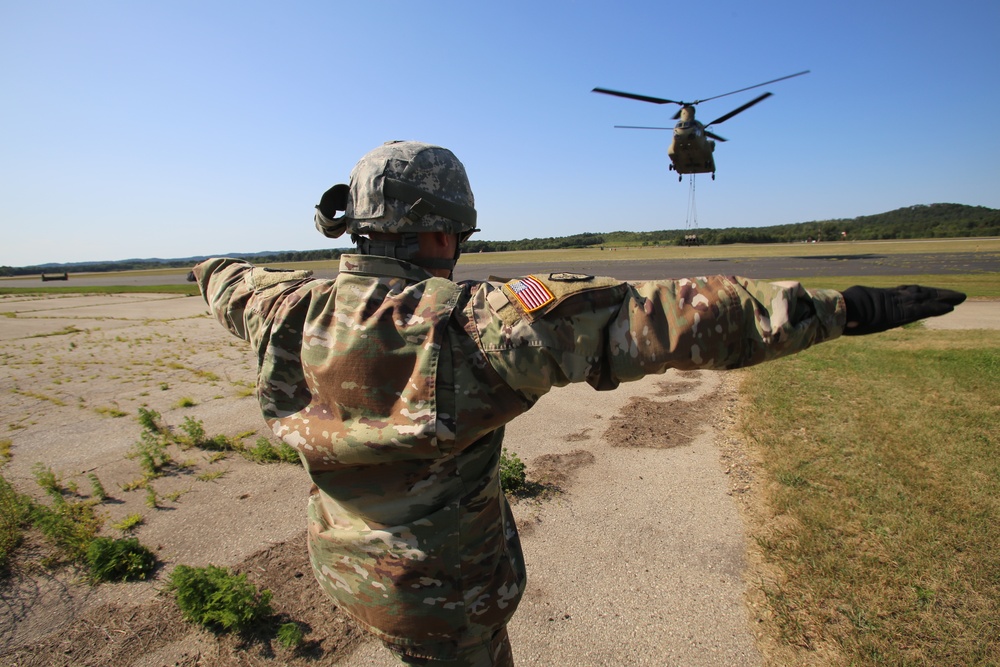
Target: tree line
(912, 222)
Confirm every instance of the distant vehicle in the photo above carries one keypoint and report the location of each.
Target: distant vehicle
(692, 148)
(55, 276)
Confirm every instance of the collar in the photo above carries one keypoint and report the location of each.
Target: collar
(376, 265)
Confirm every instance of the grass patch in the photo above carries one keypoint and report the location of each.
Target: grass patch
(40, 397)
(881, 516)
(15, 515)
(204, 375)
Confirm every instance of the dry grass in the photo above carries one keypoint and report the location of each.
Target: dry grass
(879, 520)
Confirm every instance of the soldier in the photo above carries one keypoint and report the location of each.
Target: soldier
(394, 383)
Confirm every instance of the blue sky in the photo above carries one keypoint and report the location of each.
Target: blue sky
(170, 129)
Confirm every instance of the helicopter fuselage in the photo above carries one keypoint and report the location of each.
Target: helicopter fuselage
(693, 143)
(690, 151)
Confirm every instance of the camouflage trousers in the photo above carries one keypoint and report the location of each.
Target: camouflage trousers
(494, 652)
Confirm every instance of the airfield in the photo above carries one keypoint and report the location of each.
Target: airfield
(761, 261)
(637, 558)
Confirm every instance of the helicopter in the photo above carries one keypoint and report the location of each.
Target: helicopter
(693, 144)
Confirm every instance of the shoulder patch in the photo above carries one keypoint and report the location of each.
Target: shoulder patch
(529, 292)
(570, 277)
(260, 278)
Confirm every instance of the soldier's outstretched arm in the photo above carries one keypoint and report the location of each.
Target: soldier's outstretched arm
(718, 322)
(241, 295)
(726, 322)
(573, 328)
(579, 328)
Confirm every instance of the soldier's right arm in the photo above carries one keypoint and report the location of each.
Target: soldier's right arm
(242, 296)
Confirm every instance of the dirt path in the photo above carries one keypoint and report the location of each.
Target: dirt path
(637, 560)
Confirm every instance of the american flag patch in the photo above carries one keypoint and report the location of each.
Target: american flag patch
(531, 293)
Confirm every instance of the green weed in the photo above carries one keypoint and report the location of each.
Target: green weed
(110, 411)
(96, 488)
(152, 454)
(150, 420)
(512, 476)
(139, 483)
(264, 451)
(195, 432)
(48, 481)
(70, 525)
(290, 635)
(211, 475)
(213, 597)
(122, 559)
(129, 523)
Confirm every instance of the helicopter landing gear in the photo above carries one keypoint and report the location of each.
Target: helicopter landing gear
(713, 175)
(680, 177)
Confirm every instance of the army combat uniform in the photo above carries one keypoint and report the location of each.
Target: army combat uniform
(394, 386)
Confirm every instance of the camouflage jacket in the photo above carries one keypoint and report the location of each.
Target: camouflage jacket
(394, 386)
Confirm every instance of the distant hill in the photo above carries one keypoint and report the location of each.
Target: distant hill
(913, 222)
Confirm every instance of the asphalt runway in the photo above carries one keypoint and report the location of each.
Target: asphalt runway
(768, 268)
(773, 268)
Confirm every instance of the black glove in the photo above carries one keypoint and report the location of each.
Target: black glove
(875, 309)
(190, 277)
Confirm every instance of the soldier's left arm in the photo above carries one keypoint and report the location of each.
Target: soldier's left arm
(718, 322)
(604, 331)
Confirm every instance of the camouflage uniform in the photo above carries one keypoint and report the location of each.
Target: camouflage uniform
(394, 386)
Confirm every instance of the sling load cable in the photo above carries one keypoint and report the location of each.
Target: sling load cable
(691, 223)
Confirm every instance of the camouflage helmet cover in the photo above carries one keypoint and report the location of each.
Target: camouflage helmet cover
(401, 186)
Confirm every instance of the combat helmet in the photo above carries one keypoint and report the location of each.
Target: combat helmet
(403, 187)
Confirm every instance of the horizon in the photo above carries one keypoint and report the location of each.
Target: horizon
(347, 249)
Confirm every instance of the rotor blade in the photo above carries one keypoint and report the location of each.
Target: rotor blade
(741, 109)
(641, 127)
(713, 135)
(752, 87)
(633, 96)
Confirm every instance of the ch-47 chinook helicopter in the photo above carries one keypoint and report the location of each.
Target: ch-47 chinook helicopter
(692, 147)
